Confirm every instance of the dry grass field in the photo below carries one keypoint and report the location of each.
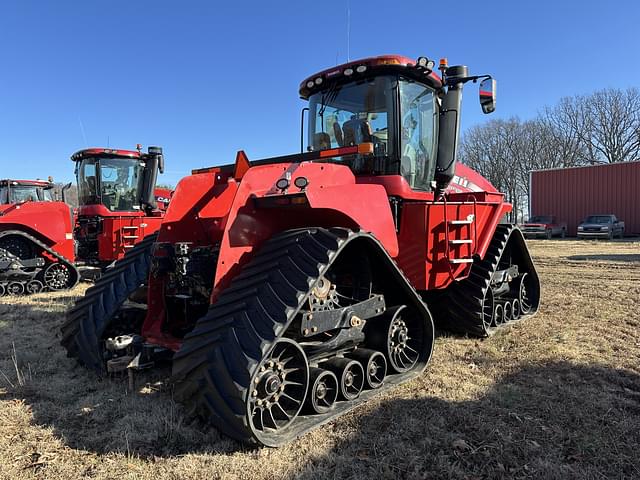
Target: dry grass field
(555, 397)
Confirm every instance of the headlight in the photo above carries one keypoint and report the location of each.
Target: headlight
(604, 228)
(580, 229)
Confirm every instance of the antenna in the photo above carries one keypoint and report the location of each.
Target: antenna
(84, 136)
(348, 31)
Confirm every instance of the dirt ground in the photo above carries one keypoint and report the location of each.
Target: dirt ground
(555, 397)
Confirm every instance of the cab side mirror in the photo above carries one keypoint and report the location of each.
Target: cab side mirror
(488, 95)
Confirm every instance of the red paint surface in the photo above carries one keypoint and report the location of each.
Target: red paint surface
(573, 193)
(50, 222)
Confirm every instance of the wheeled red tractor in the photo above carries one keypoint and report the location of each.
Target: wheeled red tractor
(288, 290)
(36, 239)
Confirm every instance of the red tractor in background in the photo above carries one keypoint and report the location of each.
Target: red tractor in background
(288, 290)
(36, 239)
(118, 203)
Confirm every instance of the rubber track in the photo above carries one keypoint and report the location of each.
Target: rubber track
(464, 301)
(61, 259)
(87, 320)
(213, 369)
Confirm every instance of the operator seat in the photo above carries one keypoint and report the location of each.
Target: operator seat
(356, 131)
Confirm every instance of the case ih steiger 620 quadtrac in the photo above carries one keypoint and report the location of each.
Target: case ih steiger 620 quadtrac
(36, 239)
(288, 290)
(117, 202)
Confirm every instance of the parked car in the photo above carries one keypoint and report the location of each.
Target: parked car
(601, 226)
(545, 226)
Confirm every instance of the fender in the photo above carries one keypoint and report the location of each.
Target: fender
(333, 199)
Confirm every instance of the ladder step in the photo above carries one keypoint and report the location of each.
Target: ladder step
(460, 260)
(128, 246)
(461, 242)
(130, 236)
(460, 222)
(132, 227)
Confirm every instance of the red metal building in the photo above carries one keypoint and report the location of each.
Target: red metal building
(573, 193)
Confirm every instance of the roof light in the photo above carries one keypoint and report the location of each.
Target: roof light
(348, 72)
(361, 68)
(425, 63)
(310, 84)
(318, 80)
(282, 184)
(443, 63)
(301, 182)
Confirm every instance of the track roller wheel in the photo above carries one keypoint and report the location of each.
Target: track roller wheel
(508, 310)
(350, 376)
(34, 286)
(278, 388)
(15, 288)
(2, 290)
(375, 366)
(57, 276)
(498, 315)
(323, 391)
(515, 309)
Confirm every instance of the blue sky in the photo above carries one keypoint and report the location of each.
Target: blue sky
(204, 80)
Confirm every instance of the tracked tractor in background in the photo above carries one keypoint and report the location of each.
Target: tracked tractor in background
(288, 290)
(36, 239)
(118, 203)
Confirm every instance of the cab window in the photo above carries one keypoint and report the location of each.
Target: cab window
(419, 129)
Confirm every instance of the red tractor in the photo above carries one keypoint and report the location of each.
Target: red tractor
(36, 239)
(118, 203)
(288, 290)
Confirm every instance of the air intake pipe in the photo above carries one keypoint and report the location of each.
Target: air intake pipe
(154, 163)
(449, 130)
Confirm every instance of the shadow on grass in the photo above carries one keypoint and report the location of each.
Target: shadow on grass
(612, 257)
(551, 420)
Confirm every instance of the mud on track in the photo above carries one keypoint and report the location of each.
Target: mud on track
(555, 397)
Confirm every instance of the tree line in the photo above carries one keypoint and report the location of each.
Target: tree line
(602, 127)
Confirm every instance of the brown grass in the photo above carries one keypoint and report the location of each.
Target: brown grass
(557, 396)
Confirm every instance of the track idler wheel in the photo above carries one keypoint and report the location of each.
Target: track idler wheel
(526, 292)
(57, 276)
(278, 388)
(323, 391)
(375, 366)
(488, 311)
(34, 286)
(15, 288)
(399, 334)
(2, 290)
(350, 376)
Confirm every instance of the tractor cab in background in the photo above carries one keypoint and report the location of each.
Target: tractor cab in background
(20, 191)
(117, 204)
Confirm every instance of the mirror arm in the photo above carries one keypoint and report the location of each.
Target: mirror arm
(473, 78)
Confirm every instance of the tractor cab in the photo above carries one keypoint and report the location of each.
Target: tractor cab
(400, 106)
(117, 204)
(119, 180)
(20, 191)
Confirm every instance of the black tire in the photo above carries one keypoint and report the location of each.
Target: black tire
(91, 315)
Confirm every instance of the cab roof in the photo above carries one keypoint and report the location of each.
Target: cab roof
(26, 183)
(377, 65)
(105, 152)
